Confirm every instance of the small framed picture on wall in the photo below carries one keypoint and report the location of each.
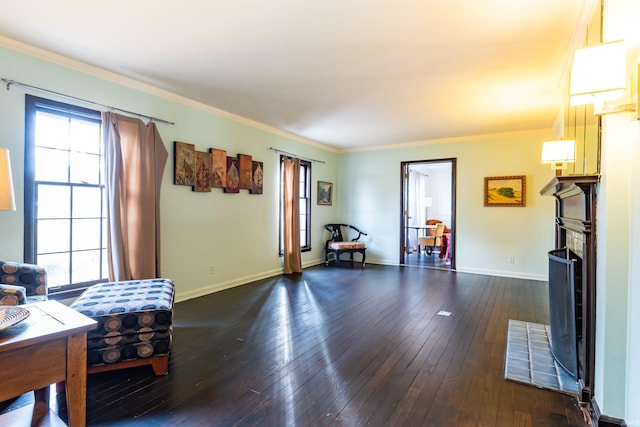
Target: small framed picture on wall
(505, 191)
(325, 193)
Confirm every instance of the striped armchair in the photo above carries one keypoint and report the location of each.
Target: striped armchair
(21, 282)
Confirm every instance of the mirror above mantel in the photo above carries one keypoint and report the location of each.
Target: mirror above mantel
(579, 123)
(583, 127)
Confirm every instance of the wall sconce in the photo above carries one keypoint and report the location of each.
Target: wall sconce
(7, 202)
(558, 154)
(599, 76)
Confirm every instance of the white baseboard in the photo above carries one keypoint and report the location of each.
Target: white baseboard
(502, 273)
(217, 287)
(485, 272)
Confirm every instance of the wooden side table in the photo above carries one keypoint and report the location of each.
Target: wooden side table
(48, 347)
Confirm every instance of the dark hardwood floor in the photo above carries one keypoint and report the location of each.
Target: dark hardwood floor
(341, 346)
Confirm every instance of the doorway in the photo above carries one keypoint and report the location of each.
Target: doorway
(428, 197)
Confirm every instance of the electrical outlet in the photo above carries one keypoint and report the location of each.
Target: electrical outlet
(212, 269)
(511, 259)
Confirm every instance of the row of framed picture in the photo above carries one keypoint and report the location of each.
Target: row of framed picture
(214, 169)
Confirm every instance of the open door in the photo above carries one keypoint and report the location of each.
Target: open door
(428, 197)
(406, 218)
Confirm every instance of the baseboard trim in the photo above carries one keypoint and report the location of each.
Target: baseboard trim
(501, 273)
(600, 420)
(217, 287)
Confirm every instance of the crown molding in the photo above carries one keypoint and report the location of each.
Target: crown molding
(73, 64)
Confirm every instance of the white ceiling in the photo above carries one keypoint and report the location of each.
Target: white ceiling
(345, 73)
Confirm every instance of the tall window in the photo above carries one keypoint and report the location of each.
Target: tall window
(65, 213)
(305, 205)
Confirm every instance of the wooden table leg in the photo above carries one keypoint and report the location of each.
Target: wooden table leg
(41, 407)
(42, 395)
(77, 379)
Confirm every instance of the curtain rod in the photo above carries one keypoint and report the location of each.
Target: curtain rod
(295, 155)
(9, 82)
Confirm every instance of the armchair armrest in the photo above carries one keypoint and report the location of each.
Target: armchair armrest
(12, 295)
(336, 232)
(360, 233)
(31, 277)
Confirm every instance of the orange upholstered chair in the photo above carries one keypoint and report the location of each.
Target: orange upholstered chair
(431, 242)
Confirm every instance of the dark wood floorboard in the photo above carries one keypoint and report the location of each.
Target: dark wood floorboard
(341, 346)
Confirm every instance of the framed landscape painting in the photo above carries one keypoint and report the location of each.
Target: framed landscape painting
(505, 190)
(325, 193)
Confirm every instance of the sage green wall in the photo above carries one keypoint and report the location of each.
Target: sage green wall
(210, 241)
(368, 194)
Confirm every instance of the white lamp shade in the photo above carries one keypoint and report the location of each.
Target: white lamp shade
(563, 151)
(7, 202)
(598, 74)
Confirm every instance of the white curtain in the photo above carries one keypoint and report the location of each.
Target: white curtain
(135, 158)
(424, 211)
(415, 206)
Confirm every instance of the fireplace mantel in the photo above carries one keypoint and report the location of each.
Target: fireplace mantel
(561, 185)
(575, 223)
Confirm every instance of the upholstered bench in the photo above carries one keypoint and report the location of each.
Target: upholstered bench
(135, 324)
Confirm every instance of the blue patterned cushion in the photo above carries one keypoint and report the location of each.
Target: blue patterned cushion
(128, 347)
(134, 319)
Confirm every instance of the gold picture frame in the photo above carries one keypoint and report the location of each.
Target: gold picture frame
(505, 191)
